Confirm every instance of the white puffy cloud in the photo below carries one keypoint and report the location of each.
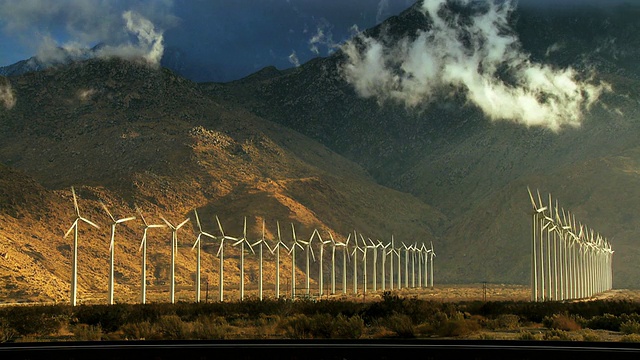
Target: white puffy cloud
(478, 55)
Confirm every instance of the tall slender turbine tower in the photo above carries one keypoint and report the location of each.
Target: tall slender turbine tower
(174, 249)
(114, 222)
(143, 248)
(198, 243)
(74, 260)
(220, 256)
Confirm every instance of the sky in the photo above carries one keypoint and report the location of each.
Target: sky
(205, 40)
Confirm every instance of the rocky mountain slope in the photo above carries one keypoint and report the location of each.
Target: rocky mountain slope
(128, 135)
(476, 171)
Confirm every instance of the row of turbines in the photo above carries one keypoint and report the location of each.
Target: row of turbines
(413, 263)
(568, 259)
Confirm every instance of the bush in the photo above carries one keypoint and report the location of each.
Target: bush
(138, 331)
(7, 333)
(504, 321)
(459, 327)
(630, 338)
(630, 327)
(401, 324)
(296, 327)
(210, 327)
(347, 327)
(171, 327)
(561, 322)
(86, 332)
(604, 322)
(556, 334)
(590, 335)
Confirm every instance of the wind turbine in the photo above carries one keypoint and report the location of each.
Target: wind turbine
(363, 250)
(320, 269)
(292, 251)
(198, 243)
(143, 248)
(425, 269)
(260, 242)
(433, 254)
(384, 263)
(356, 248)
(535, 222)
(334, 244)
(345, 255)
(114, 222)
(242, 241)
(308, 249)
(374, 247)
(276, 251)
(391, 251)
(220, 256)
(174, 249)
(74, 260)
(406, 264)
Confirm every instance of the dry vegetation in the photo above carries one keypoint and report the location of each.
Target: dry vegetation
(489, 312)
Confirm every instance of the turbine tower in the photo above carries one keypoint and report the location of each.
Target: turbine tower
(260, 242)
(356, 248)
(174, 249)
(242, 241)
(74, 260)
(433, 254)
(334, 244)
(345, 255)
(220, 256)
(143, 248)
(320, 268)
(308, 249)
(198, 243)
(114, 222)
(276, 250)
(292, 251)
(384, 263)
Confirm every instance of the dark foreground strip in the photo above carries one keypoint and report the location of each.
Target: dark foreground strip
(321, 349)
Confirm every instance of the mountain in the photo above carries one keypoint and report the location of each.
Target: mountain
(451, 155)
(125, 134)
(57, 57)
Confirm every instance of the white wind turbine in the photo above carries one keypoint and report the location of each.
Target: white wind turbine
(425, 268)
(114, 222)
(292, 251)
(406, 264)
(198, 243)
(143, 248)
(242, 241)
(413, 265)
(174, 249)
(384, 263)
(391, 252)
(220, 256)
(74, 260)
(535, 223)
(334, 244)
(356, 248)
(320, 268)
(276, 250)
(433, 254)
(420, 257)
(308, 249)
(374, 247)
(364, 263)
(345, 255)
(260, 242)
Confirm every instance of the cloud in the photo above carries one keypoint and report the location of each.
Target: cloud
(293, 59)
(477, 54)
(323, 37)
(7, 97)
(129, 28)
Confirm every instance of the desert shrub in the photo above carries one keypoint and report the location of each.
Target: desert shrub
(321, 325)
(401, 324)
(561, 322)
(528, 335)
(171, 327)
(630, 327)
(138, 331)
(630, 338)
(35, 320)
(504, 321)
(210, 327)
(457, 327)
(297, 326)
(604, 322)
(590, 335)
(556, 334)
(86, 332)
(7, 333)
(347, 327)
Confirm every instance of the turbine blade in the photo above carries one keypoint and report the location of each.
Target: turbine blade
(182, 223)
(89, 222)
(107, 210)
(144, 238)
(125, 219)
(75, 201)
(144, 221)
(220, 248)
(220, 226)
(195, 211)
(196, 243)
(75, 223)
(167, 222)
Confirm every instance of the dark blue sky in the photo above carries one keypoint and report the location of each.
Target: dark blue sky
(207, 40)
